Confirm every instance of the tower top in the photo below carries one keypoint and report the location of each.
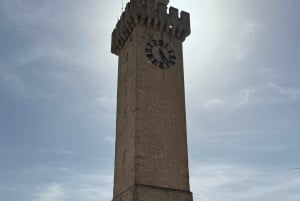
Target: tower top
(163, 1)
(147, 13)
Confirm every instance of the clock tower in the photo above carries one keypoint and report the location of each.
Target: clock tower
(151, 160)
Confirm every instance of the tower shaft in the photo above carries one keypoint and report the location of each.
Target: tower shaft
(151, 160)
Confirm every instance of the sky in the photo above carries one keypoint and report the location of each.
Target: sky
(58, 99)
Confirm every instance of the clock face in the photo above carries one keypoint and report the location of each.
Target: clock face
(159, 54)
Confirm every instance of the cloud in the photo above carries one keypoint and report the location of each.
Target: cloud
(239, 98)
(109, 139)
(241, 53)
(246, 36)
(248, 28)
(51, 192)
(13, 82)
(108, 105)
(57, 151)
(79, 186)
(236, 183)
(93, 193)
(292, 94)
(106, 102)
(213, 103)
(90, 187)
(247, 96)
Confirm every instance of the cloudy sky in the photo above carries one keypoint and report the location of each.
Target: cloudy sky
(58, 99)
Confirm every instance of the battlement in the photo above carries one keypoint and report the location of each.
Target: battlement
(147, 13)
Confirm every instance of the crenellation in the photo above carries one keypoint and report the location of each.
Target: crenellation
(185, 17)
(161, 9)
(146, 13)
(173, 13)
(138, 4)
(113, 39)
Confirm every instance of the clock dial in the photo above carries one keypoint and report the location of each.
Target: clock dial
(159, 54)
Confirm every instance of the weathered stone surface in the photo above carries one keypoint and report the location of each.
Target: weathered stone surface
(140, 192)
(151, 161)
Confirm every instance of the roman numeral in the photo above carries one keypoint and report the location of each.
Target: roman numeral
(172, 62)
(150, 55)
(161, 64)
(155, 62)
(161, 43)
(172, 57)
(149, 45)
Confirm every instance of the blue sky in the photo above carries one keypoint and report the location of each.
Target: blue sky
(58, 96)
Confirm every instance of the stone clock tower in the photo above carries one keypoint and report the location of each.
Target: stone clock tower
(151, 160)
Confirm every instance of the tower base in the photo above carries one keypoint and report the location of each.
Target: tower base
(140, 192)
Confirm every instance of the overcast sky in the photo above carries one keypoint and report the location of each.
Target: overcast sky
(58, 99)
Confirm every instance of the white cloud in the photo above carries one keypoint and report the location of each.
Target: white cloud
(106, 102)
(109, 139)
(241, 53)
(237, 99)
(52, 192)
(247, 96)
(213, 103)
(90, 187)
(57, 151)
(290, 93)
(13, 82)
(246, 36)
(80, 186)
(248, 29)
(93, 193)
(212, 182)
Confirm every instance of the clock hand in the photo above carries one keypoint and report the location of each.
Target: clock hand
(162, 55)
